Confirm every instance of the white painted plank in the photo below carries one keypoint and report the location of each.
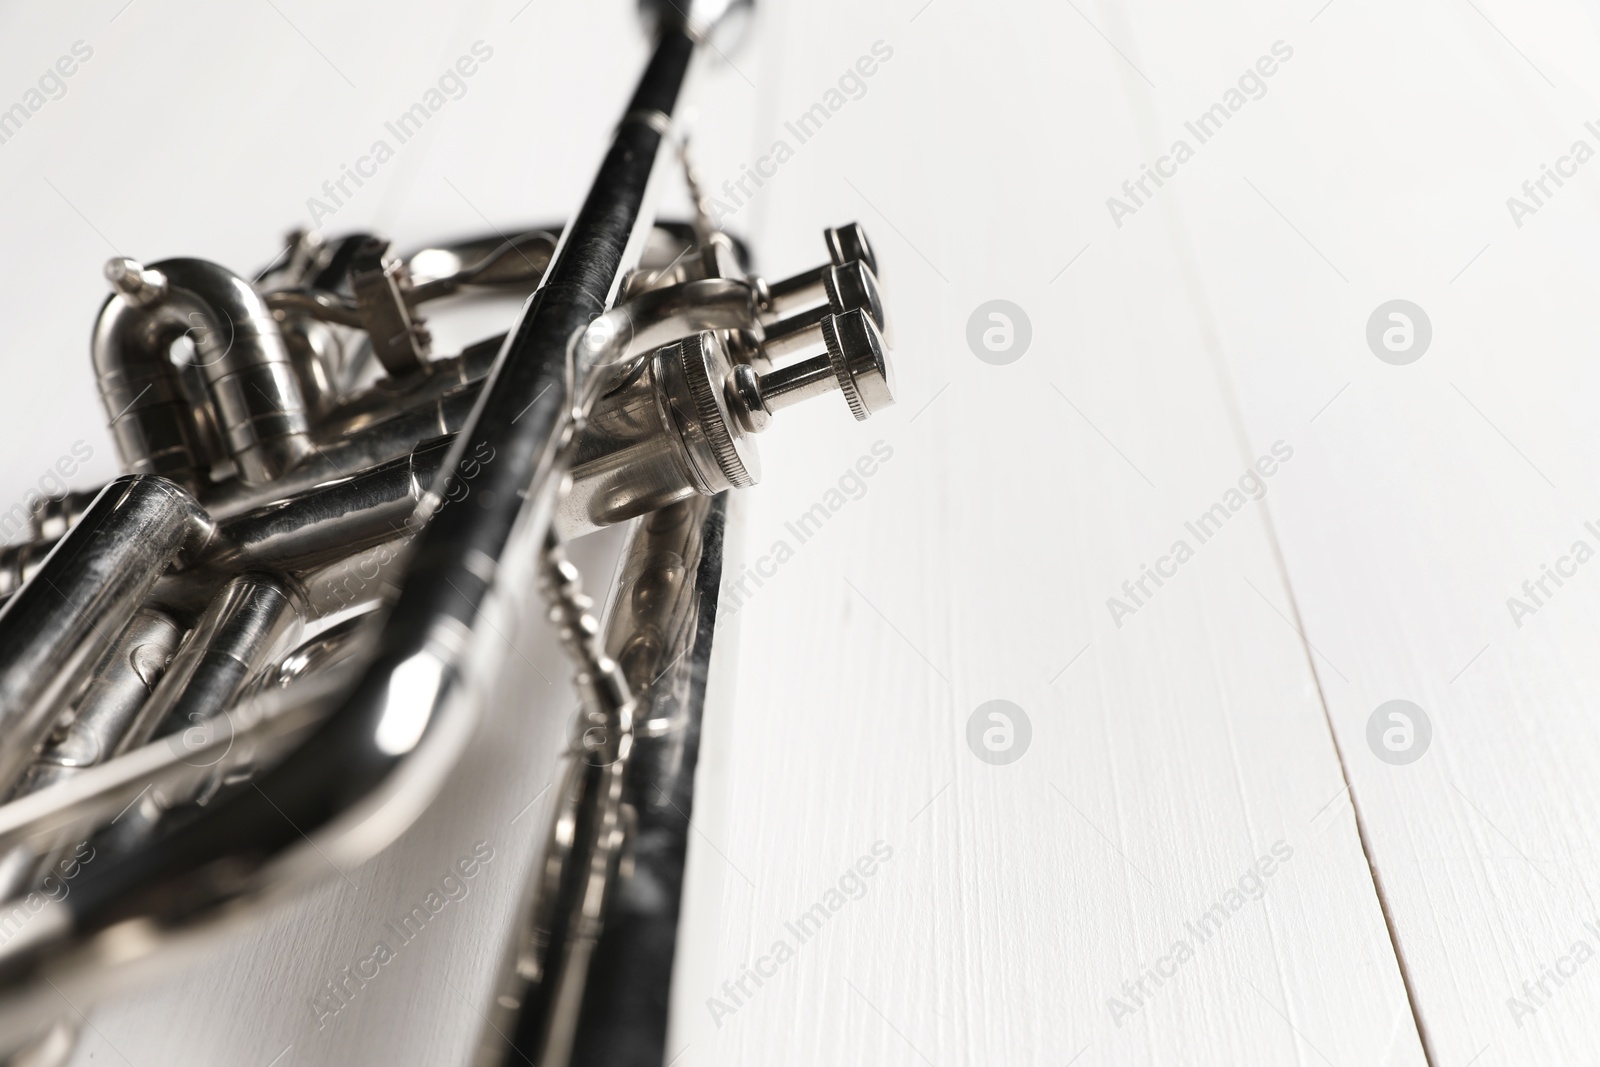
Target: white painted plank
(1167, 754)
(1183, 744)
(1425, 495)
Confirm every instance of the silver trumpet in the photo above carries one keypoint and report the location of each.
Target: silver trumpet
(263, 647)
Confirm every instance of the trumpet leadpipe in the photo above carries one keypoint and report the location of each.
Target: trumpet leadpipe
(89, 586)
(336, 485)
(105, 712)
(243, 630)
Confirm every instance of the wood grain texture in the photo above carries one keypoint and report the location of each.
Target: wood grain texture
(1004, 506)
(1425, 495)
(1167, 753)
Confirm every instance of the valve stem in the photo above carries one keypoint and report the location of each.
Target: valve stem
(134, 282)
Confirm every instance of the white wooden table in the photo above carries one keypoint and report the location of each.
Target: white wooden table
(1102, 898)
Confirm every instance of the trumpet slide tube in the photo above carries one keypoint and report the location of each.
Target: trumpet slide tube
(266, 646)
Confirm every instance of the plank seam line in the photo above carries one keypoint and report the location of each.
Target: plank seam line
(1144, 110)
(1178, 226)
(1355, 805)
(1213, 344)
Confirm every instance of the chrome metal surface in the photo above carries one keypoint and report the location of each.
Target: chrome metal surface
(661, 628)
(255, 395)
(846, 244)
(852, 361)
(378, 759)
(846, 288)
(398, 338)
(597, 933)
(661, 435)
(97, 724)
(242, 632)
(268, 644)
(143, 397)
(485, 261)
(90, 584)
(587, 837)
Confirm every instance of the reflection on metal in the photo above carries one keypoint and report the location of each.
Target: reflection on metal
(586, 979)
(265, 645)
(662, 630)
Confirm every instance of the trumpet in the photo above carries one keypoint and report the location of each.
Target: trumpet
(263, 646)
